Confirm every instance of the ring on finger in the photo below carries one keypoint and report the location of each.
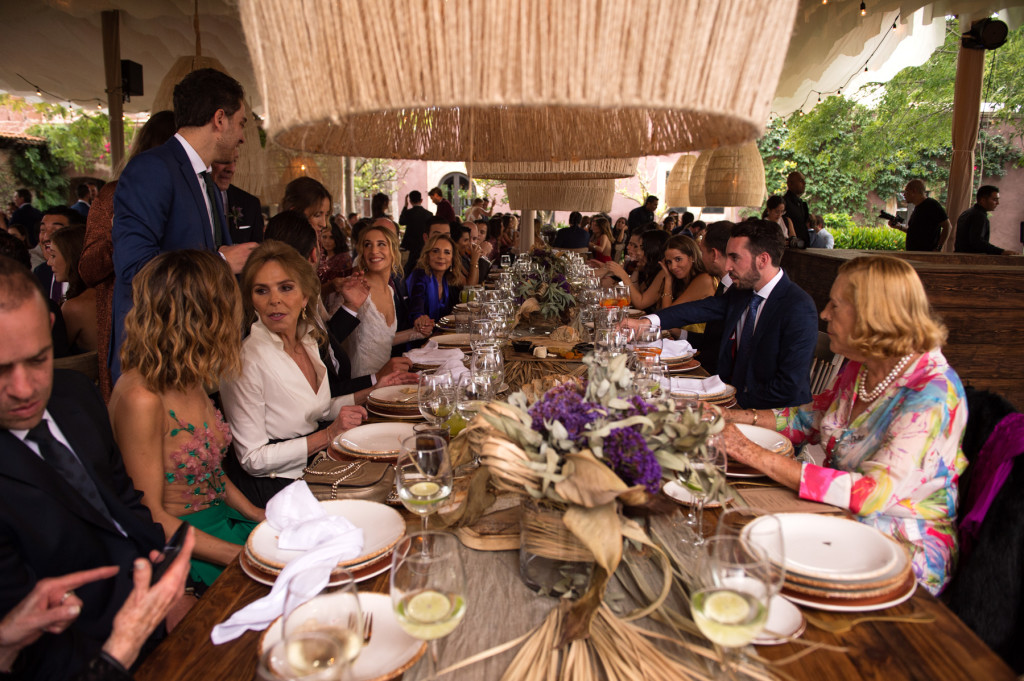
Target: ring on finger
(67, 594)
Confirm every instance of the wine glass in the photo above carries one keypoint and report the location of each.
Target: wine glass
(428, 588)
(649, 343)
(762, 530)
(423, 474)
(648, 378)
(436, 395)
(506, 262)
(306, 656)
(483, 331)
(487, 368)
(729, 595)
(339, 614)
(706, 477)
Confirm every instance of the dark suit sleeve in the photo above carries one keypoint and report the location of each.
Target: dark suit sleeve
(704, 310)
(341, 325)
(142, 202)
(798, 336)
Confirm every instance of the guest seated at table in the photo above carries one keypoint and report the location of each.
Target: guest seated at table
(181, 335)
(686, 279)
(280, 408)
(647, 282)
(601, 239)
(435, 284)
(380, 303)
(474, 264)
(337, 260)
(79, 308)
(892, 424)
(309, 197)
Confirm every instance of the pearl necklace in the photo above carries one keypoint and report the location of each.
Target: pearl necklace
(880, 388)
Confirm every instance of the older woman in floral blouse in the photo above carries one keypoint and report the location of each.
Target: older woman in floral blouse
(891, 426)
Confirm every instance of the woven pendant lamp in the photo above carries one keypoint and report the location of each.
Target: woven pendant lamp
(696, 184)
(283, 166)
(583, 195)
(677, 186)
(345, 77)
(735, 177)
(600, 169)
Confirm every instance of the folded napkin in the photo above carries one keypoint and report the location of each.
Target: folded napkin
(675, 348)
(430, 353)
(303, 525)
(712, 385)
(455, 367)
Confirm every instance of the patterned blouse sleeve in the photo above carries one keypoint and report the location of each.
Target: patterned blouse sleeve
(914, 461)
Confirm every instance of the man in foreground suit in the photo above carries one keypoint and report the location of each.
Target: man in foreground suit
(770, 323)
(66, 503)
(166, 199)
(242, 209)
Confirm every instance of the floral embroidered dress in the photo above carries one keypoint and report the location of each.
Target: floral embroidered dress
(196, 479)
(897, 464)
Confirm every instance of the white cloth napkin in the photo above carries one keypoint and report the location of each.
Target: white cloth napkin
(455, 367)
(430, 353)
(303, 525)
(712, 385)
(675, 348)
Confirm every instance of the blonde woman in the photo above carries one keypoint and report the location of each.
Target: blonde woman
(181, 336)
(435, 284)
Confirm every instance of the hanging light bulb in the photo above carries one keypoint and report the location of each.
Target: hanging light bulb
(824, 2)
(863, 9)
(39, 93)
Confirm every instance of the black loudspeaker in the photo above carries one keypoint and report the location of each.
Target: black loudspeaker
(131, 79)
(987, 34)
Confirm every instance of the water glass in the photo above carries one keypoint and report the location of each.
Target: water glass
(307, 656)
(435, 396)
(487, 368)
(342, 620)
(483, 332)
(423, 475)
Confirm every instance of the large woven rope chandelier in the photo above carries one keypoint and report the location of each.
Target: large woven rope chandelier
(515, 80)
(598, 169)
(583, 195)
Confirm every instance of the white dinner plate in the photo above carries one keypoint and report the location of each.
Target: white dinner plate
(390, 651)
(374, 439)
(833, 548)
(396, 394)
(679, 493)
(764, 437)
(262, 579)
(838, 606)
(411, 416)
(785, 621)
(382, 528)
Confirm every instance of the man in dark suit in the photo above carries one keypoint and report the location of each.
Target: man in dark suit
(242, 209)
(26, 215)
(796, 208)
(66, 503)
(770, 323)
(416, 219)
(641, 216)
(81, 206)
(572, 236)
(166, 199)
(713, 248)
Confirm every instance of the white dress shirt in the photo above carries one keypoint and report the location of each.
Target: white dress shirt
(763, 293)
(272, 400)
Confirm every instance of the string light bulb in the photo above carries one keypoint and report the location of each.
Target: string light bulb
(39, 93)
(824, 2)
(863, 9)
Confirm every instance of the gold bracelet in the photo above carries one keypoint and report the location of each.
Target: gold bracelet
(754, 423)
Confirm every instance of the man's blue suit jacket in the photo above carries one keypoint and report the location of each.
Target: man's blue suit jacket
(159, 206)
(778, 374)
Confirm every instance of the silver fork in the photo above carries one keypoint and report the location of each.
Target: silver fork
(367, 627)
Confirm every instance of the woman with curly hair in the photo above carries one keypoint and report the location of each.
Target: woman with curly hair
(181, 337)
(280, 408)
(435, 284)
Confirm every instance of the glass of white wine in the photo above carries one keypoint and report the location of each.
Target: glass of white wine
(436, 397)
(327, 602)
(423, 474)
(309, 656)
(428, 588)
(729, 594)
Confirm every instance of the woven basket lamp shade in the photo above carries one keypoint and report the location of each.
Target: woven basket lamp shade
(283, 166)
(735, 177)
(600, 169)
(251, 167)
(583, 195)
(352, 77)
(696, 184)
(677, 187)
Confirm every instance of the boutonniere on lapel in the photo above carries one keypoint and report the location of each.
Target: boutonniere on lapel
(234, 216)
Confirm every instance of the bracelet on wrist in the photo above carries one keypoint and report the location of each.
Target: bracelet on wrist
(754, 422)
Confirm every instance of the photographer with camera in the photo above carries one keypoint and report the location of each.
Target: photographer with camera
(928, 226)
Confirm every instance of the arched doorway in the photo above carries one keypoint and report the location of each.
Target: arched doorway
(459, 191)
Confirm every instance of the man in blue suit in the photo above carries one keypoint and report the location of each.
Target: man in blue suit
(166, 199)
(770, 326)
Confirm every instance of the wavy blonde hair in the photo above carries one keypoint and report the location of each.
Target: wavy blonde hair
(185, 327)
(296, 267)
(455, 275)
(392, 239)
(893, 314)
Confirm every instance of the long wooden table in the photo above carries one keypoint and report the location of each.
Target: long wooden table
(944, 649)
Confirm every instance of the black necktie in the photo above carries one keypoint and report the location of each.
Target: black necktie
(745, 349)
(65, 463)
(218, 226)
(720, 290)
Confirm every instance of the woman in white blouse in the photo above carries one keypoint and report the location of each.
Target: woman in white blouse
(280, 408)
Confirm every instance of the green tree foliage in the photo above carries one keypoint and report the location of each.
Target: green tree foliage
(846, 149)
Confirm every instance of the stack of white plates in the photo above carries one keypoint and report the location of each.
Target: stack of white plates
(398, 402)
(374, 441)
(839, 564)
(383, 527)
(769, 439)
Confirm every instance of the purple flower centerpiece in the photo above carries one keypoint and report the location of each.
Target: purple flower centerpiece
(547, 285)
